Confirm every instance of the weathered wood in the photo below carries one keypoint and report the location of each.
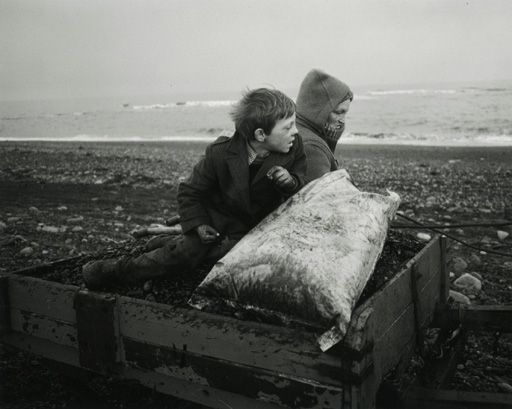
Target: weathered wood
(477, 317)
(42, 297)
(392, 323)
(445, 279)
(5, 317)
(419, 398)
(42, 347)
(416, 304)
(40, 326)
(204, 395)
(252, 382)
(283, 350)
(97, 331)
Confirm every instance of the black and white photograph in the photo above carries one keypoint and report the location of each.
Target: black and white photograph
(259, 204)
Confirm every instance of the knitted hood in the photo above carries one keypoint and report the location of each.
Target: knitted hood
(319, 95)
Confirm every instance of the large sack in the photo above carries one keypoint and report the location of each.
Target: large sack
(309, 260)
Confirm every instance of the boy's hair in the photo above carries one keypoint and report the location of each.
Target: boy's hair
(261, 108)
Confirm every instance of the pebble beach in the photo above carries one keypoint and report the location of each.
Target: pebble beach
(66, 199)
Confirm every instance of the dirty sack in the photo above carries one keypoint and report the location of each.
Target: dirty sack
(308, 261)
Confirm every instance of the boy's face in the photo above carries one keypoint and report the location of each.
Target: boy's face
(281, 138)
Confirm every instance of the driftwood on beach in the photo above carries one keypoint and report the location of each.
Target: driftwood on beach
(309, 260)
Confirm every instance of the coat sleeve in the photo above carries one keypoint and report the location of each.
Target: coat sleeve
(318, 161)
(298, 168)
(195, 191)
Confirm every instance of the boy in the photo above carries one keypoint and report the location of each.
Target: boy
(238, 182)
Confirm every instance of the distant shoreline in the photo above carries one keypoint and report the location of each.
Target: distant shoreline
(207, 139)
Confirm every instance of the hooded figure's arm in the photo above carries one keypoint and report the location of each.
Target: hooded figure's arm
(318, 161)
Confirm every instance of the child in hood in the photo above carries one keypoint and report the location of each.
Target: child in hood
(322, 104)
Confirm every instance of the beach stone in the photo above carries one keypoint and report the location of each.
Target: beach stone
(468, 282)
(26, 251)
(459, 264)
(62, 208)
(459, 298)
(119, 208)
(475, 274)
(77, 229)
(485, 210)
(3, 226)
(502, 235)
(474, 259)
(148, 286)
(423, 236)
(45, 252)
(77, 219)
(50, 229)
(33, 210)
(13, 219)
(460, 232)
(452, 275)
(486, 240)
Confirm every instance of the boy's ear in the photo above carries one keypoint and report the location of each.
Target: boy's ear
(259, 135)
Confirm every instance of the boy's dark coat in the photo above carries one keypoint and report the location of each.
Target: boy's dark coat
(218, 192)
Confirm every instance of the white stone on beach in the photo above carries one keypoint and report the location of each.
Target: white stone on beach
(77, 228)
(3, 226)
(62, 208)
(423, 236)
(502, 235)
(33, 209)
(468, 282)
(119, 208)
(459, 298)
(26, 251)
(13, 219)
(75, 219)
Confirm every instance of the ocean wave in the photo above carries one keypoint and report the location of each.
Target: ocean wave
(181, 104)
(413, 92)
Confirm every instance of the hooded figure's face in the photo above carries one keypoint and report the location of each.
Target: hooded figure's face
(335, 124)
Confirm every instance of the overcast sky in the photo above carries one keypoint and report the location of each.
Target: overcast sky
(75, 48)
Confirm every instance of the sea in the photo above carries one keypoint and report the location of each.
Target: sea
(467, 114)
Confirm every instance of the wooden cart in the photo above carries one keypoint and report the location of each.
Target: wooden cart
(220, 361)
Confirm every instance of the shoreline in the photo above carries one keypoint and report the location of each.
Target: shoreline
(207, 139)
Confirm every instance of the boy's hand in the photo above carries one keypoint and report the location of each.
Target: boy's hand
(281, 178)
(207, 233)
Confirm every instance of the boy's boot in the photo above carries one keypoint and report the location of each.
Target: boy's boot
(101, 273)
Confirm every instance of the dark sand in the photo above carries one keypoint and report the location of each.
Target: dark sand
(95, 194)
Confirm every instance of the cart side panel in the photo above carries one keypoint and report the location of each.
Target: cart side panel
(46, 298)
(276, 349)
(403, 305)
(253, 383)
(40, 326)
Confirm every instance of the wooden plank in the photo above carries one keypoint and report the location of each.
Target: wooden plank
(47, 298)
(274, 348)
(391, 301)
(392, 323)
(476, 317)
(42, 347)
(5, 316)
(254, 383)
(97, 331)
(204, 395)
(445, 278)
(40, 326)
(428, 398)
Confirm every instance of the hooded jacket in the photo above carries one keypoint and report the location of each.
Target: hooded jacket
(319, 95)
